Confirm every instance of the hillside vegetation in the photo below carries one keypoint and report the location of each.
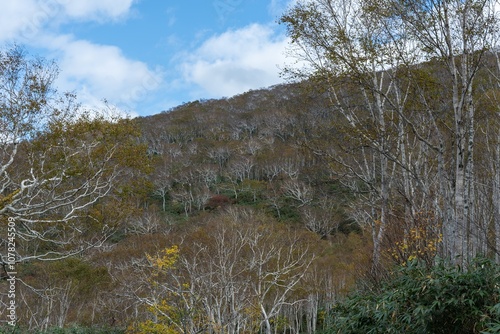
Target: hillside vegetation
(213, 216)
(239, 218)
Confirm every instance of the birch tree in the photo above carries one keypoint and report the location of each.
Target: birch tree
(56, 162)
(377, 49)
(339, 41)
(457, 33)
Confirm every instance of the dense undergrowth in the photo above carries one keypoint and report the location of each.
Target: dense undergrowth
(413, 299)
(417, 299)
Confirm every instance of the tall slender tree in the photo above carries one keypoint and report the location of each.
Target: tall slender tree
(412, 133)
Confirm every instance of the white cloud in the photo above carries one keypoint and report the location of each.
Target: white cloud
(93, 71)
(21, 18)
(26, 20)
(101, 71)
(237, 61)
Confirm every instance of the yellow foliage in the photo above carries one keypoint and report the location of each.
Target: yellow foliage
(166, 260)
(162, 312)
(151, 327)
(4, 200)
(419, 242)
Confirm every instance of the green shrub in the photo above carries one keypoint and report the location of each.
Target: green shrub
(442, 299)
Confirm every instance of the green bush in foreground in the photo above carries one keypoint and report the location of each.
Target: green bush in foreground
(416, 299)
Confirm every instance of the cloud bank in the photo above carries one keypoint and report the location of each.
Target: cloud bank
(92, 70)
(224, 64)
(236, 61)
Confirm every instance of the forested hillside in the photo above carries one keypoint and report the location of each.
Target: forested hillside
(250, 149)
(376, 170)
(216, 214)
(232, 213)
(265, 222)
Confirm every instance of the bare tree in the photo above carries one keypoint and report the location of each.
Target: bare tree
(234, 274)
(56, 161)
(369, 55)
(298, 191)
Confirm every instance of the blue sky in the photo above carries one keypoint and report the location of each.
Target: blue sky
(145, 56)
